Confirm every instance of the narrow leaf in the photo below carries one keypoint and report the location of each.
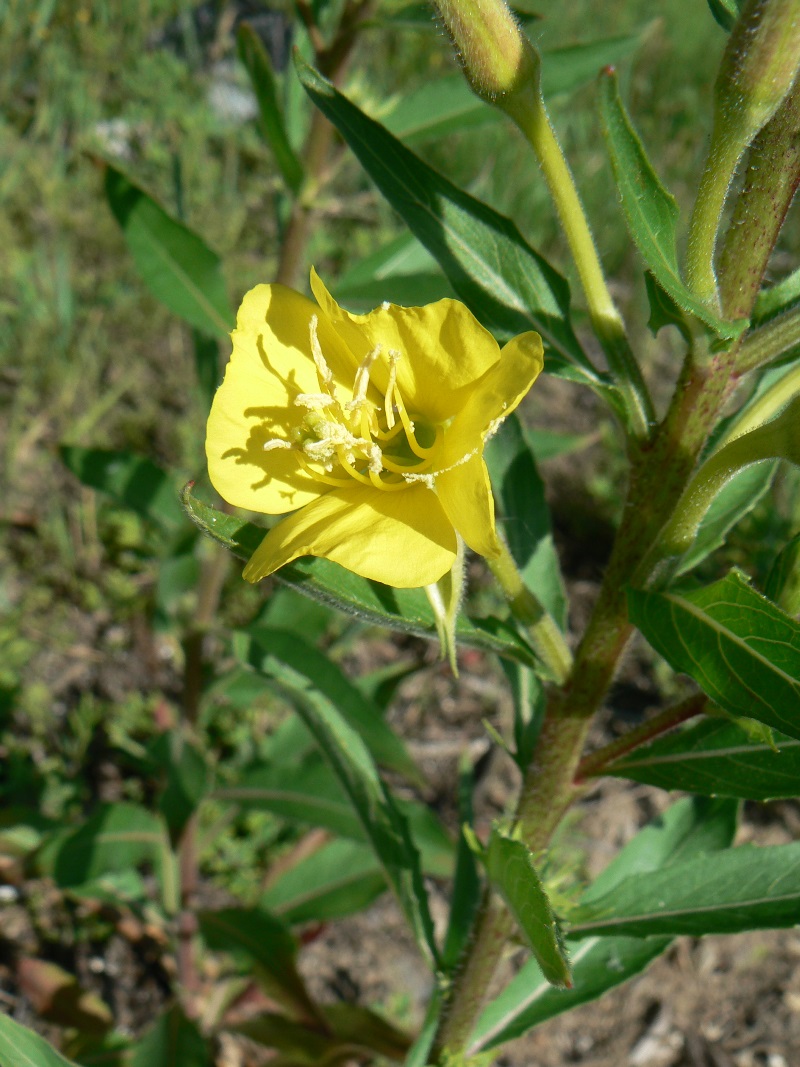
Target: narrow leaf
(737, 889)
(741, 649)
(716, 758)
(384, 825)
(20, 1047)
(406, 610)
(340, 879)
(508, 285)
(650, 211)
(319, 672)
(130, 480)
(511, 870)
(173, 1040)
(257, 63)
(778, 298)
(466, 891)
(174, 263)
(687, 828)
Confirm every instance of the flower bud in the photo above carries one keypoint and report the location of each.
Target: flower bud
(498, 60)
(759, 66)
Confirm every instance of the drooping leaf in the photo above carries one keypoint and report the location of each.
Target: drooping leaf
(386, 828)
(737, 889)
(257, 63)
(20, 1047)
(510, 868)
(650, 211)
(130, 480)
(262, 942)
(175, 264)
(173, 1040)
(258, 645)
(407, 610)
(524, 515)
(689, 827)
(742, 650)
(735, 500)
(508, 285)
(716, 758)
(338, 880)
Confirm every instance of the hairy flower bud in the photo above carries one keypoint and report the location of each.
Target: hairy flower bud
(499, 62)
(759, 66)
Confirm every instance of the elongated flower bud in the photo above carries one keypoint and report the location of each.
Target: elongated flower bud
(499, 62)
(759, 66)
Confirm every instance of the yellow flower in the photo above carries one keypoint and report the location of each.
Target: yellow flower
(368, 428)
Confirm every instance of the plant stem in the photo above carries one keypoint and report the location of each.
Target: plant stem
(770, 341)
(531, 117)
(547, 640)
(723, 157)
(594, 765)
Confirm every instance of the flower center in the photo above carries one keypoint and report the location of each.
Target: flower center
(376, 444)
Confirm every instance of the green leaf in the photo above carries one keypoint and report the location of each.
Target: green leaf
(130, 480)
(510, 868)
(57, 997)
(406, 610)
(261, 645)
(716, 758)
(725, 12)
(116, 837)
(257, 938)
(408, 290)
(385, 826)
(735, 500)
(20, 1047)
(257, 63)
(650, 211)
(778, 298)
(740, 649)
(342, 878)
(186, 779)
(206, 366)
(525, 516)
(466, 891)
(736, 889)
(687, 828)
(783, 581)
(174, 263)
(447, 105)
(173, 1040)
(508, 285)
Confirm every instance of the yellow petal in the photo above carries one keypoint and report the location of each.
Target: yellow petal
(493, 397)
(465, 494)
(403, 539)
(271, 363)
(444, 349)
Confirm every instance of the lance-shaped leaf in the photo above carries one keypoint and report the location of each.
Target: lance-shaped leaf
(319, 671)
(263, 941)
(407, 610)
(737, 889)
(466, 892)
(508, 285)
(21, 1047)
(340, 879)
(742, 650)
(511, 871)
(716, 758)
(175, 264)
(130, 480)
(650, 211)
(173, 1040)
(687, 828)
(254, 56)
(385, 826)
(778, 298)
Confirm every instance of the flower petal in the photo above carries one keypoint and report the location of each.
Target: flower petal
(403, 539)
(271, 363)
(493, 397)
(444, 349)
(465, 493)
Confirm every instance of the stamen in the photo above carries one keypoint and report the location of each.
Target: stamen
(362, 381)
(391, 388)
(321, 476)
(314, 401)
(276, 442)
(408, 425)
